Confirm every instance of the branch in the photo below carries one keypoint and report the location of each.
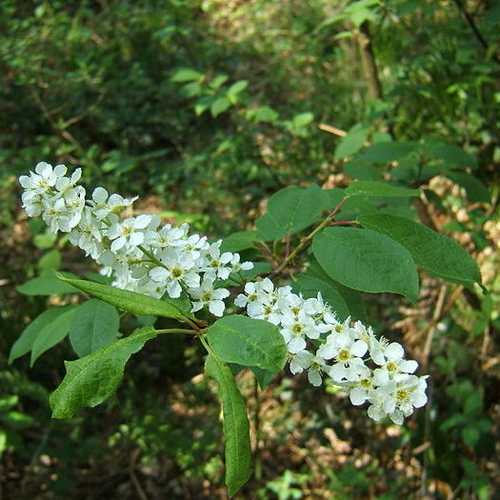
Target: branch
(304, 242)
(472, 24)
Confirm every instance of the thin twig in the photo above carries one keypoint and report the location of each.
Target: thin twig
(304, 242)
(472, 24)
(332, 130)
(179, 330)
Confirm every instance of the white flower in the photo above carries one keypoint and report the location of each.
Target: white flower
(318, 308)
(362, 387)
(218, 265)
(103, 204)
(206, 295)
(347, 353)
(128, 233)
(167, 236)
(43, 179)
(63, 214)
(178, 267)
(87, 234)
(398, 399)
(393, 363)
(237, 267)
(295, 329)
(256, 292)
(264, 311)
(305, 360)
(65, 184)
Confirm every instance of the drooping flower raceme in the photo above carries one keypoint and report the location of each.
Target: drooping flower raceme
(137, 252)
(347, 353)
(142, 255)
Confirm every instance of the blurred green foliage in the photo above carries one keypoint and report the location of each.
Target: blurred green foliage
(208, 107)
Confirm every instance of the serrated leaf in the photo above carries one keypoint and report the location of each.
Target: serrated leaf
(24, 343)
(366, 260)
(291, 210)
(95, 325)
(46, 284)
(248, 342)
(380, 189)
(52, 334)
(435, 253)
(309, 287)
(132, 302)
(91, 380)
(235, 424)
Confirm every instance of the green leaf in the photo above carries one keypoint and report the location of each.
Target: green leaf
(91, 380)
(450, 155)
(95, 325)
(24, 343)
(186, 75)
(239, 241)
(235, 424)
(219, 106)
(264, 377)
(235, 89)
(366, 260)
(291, 210)
(262, 114)
(352, 142)
(302, 119)
(248, 342)
(46, 284)
(356, 205)
(132, 302)
(379, 189)
(475, 189)
(45, 241)
(52, 334)
(352, 298)
(310, 286)
(385, 152)
(51, 260)
(435, 253)
(218, 81)
(363, 171)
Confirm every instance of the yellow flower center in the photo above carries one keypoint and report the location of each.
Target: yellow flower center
(344, 355)
(402, 395)
(176, 272)
(365, 383)
(391, 366)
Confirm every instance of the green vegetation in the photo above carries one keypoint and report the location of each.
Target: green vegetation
(261, 122)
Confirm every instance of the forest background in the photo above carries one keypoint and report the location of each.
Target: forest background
(205, 109)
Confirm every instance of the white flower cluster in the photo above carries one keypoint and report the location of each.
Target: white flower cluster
(139, 253)
(371, 370)
(143, 256)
